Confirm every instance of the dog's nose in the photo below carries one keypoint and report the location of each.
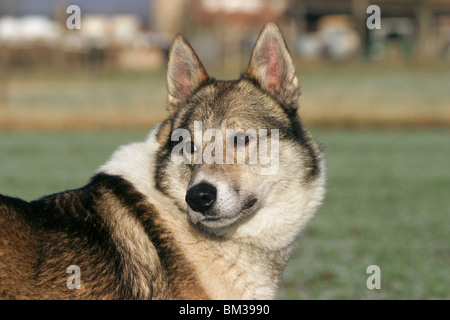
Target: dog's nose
(201, 197)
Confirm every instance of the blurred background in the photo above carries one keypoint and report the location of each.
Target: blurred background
(378, 100)
(69, 76)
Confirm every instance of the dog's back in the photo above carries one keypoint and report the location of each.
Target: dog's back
(39, 240)
(17, 243)
(105, 229)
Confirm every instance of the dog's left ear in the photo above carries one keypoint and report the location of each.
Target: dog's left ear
(272, 67)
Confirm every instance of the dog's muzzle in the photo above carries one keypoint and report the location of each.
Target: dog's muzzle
(216, 208)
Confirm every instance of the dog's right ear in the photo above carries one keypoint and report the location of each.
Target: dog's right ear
(185, 73)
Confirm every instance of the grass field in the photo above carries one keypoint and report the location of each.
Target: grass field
(387, 204)
(332, 95)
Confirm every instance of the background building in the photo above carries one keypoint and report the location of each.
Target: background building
(137, 34)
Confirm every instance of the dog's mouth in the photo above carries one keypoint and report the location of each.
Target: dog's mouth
(212, 222)
(249, 204)
(215, 220)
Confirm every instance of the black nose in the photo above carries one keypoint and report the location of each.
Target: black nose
(201, 197)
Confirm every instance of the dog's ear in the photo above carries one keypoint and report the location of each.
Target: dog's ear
(272, 67)
(185, 73)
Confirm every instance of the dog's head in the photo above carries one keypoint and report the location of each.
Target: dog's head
(233, 150)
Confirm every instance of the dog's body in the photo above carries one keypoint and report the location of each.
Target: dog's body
(148, 227)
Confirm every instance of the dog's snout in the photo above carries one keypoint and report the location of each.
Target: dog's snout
(201, 197)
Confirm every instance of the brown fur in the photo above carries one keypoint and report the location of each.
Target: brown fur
(39, 240)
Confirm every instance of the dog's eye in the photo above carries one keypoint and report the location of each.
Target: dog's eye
(241, 139)
(189, 147)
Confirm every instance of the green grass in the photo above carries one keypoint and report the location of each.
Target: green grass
(387, 204)
(332, 95)
(35, 164)
(80, 89)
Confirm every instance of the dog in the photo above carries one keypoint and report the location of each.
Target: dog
(178, 216)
